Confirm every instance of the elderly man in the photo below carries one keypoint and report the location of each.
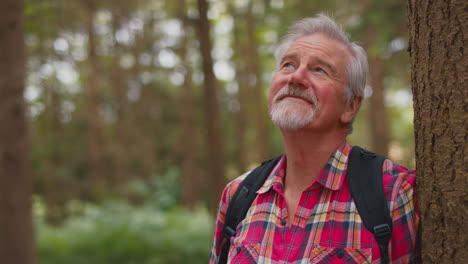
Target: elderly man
(305, 211)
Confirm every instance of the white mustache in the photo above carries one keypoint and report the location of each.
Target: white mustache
(297, 92)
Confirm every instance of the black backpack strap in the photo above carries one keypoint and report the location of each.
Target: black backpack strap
(242, 201)
(365, 181)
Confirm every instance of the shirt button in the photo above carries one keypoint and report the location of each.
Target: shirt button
(283, 222)
(340, 253)
(238, 249)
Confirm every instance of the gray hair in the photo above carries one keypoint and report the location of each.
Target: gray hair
(357, 67)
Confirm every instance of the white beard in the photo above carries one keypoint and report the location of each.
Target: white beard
(291, 115)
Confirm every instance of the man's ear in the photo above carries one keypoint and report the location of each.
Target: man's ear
(351, 110)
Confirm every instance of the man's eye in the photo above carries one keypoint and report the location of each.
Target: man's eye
(318, 69)
(288, 65)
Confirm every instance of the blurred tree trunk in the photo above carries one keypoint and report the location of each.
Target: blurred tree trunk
(190, 173)
(378, 116)
(380, 129)
(147, 121)
(147, 106)
(121, 144)
(55, 194)
(239, 59)
(52, 183)
(95, 179)
(438, 31)
(255, 82)
(213, 131)
(16, 227)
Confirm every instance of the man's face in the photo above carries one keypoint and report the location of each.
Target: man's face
(308, 88)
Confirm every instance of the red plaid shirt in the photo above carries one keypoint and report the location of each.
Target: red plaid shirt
(327, 227)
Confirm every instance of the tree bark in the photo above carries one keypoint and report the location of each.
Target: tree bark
(16, 227)
(438, 65)
(214, 141)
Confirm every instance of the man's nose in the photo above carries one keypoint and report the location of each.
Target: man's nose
(299, 78)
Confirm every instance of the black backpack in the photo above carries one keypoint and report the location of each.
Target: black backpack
(364, 175)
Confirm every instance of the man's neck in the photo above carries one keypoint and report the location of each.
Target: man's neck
(307, 153)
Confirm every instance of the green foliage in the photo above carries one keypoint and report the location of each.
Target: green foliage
(162, 191)
(117, 233)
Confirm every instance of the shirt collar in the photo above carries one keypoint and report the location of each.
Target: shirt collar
(275, 178)
(332, 175)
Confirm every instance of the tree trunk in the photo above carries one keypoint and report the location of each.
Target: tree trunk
(190, 172)
(239, 59)
(148, 103)
(258, 99)
(95, 178)
(54, 194)
(377, 114)
(120, 151)
(16, 227)
(214, 142)
(380, 130)
(439, 63)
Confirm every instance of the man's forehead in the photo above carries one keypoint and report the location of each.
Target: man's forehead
(319, 40)
(318, 46)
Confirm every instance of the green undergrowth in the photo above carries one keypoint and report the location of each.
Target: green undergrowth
(118, 233)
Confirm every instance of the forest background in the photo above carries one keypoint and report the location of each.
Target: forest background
(139, 112)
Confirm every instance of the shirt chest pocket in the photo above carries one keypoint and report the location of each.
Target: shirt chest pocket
(243, 254)
(322, 255)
